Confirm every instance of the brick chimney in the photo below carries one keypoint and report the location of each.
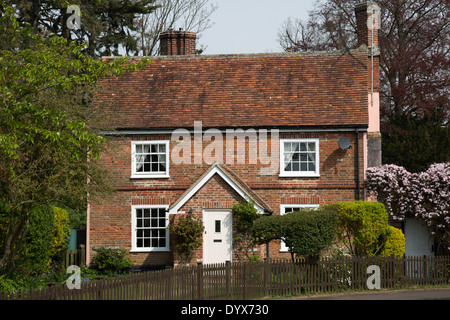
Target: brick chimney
(176, 43)
(368, 20)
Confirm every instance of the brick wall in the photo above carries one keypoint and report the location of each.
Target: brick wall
(110, 221)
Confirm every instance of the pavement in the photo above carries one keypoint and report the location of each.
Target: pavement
(414, 294)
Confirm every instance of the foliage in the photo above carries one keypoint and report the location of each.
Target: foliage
(45, 239)
(7, 285)
(187, 235)
(48, 147)
(307, 232)
(362, 226)
(107, 25)
(267, 228)
(60, 230)
(36, 257)
(395, 244)
(414, 64)
(112, 261)
(415, 145)
(422, 195)
(244, 215)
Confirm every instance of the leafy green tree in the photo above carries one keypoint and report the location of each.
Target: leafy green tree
(48, 149)
(106, 25)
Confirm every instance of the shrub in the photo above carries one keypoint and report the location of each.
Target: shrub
(61, 230)
(7, 285)
(267, 228)
(422, 195)
(187, 236)
(112, 261)
(395, 244)
(244, 214)
(307, 232)
(36, 257)
(362, 226)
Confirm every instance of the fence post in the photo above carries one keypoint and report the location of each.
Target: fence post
(228, 278)
(82, 254)
(266, 283)
(200, 281)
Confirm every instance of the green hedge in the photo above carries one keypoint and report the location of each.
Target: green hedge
(362, 226)
(307, 232)
(395, 244)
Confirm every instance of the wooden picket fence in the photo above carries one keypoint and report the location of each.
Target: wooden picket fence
(256, 280)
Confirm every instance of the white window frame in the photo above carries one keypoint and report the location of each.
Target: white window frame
(134, 247)
(283, 207)
(315, 173)
(135, 174)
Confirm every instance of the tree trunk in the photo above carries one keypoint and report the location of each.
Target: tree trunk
(14, 239)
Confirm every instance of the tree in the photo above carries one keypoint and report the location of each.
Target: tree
(415, 60)
(48, 151)
(191, 15)
(107, 25)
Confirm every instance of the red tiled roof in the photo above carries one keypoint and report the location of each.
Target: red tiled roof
(271, 90)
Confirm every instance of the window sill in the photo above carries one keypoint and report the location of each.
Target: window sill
(143, 250)
(149, 176)
(299, 175)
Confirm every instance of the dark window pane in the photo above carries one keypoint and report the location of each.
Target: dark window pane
(217, 225)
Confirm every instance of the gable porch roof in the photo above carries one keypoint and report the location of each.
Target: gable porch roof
(233, 181)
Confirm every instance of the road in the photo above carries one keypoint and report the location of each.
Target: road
(415, 294)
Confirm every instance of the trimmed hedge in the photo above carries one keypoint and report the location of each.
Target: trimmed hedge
(362, 226)
(395, 244)
(307, 232)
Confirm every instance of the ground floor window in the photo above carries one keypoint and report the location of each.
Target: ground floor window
(150, 228)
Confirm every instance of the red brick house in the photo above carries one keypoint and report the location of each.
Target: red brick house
(197, 133)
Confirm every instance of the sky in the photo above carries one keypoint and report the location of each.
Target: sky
(250, 26)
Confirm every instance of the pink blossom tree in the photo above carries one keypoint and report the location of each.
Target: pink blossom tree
(424, 195)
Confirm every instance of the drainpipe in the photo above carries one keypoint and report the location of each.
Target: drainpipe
(357, 165)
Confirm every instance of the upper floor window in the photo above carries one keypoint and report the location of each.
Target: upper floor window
(150, 159)
(299, 157)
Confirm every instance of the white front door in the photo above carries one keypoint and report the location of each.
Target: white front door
(217, 237)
